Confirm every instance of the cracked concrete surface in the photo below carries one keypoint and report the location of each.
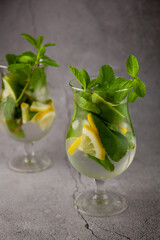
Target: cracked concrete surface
(87, 34)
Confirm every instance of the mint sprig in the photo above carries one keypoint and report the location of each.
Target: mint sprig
(106, 81)
(29, 56)
(139, 88)
(106, 76)
(29, 62)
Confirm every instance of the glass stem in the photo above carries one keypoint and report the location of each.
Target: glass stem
(100, 193)
(29, 152)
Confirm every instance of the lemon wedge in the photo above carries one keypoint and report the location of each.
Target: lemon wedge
(44, 119)
(90, 143)
(40, 107)
(25, 112)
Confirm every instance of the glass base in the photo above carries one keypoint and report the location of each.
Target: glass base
(100, 205)
(36, 164)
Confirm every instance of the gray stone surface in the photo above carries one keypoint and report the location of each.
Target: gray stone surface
(88, 34)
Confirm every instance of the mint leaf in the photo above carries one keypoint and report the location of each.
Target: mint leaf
(15, 128)
(49, 44)
(84, 94)
(11, 58)
(139, 87)
(106, 75)
(16, 66)
(86, 76)
(49, 63)
(30, 39)
(26, 57)
(8, 107)
(104, 163)
(132, 97)
(108, 112)
(78, 75)
(38, 79)
(132, 66)
(121, 83)
(93, 83)
(39, 41)
(115, 144)
(41, 52)
(87, 105)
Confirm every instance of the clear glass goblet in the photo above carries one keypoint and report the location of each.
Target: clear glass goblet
(32, 119)
(100, 144)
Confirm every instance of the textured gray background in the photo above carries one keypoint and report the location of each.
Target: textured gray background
(87, 34)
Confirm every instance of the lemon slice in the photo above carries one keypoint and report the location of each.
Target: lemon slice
(25, 112)
(91, 122)
(44, 119)
(40, 107)
(90, 143)
(74, 145)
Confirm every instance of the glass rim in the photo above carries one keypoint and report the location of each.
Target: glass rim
(92, 90)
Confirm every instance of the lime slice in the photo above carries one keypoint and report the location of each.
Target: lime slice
(25, 112)
(108, 112)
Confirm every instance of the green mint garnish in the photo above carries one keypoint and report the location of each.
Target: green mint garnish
(87, 105)
(104, 163)
(81, 76)
(106, 76)
(121, 83)
(106, 81)
(132, 66)
(15, 128)
(115, 144)
(139, 87)
(8, 107)
(108, 112)
(85, 76)
(30, 39)
(132, 97)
